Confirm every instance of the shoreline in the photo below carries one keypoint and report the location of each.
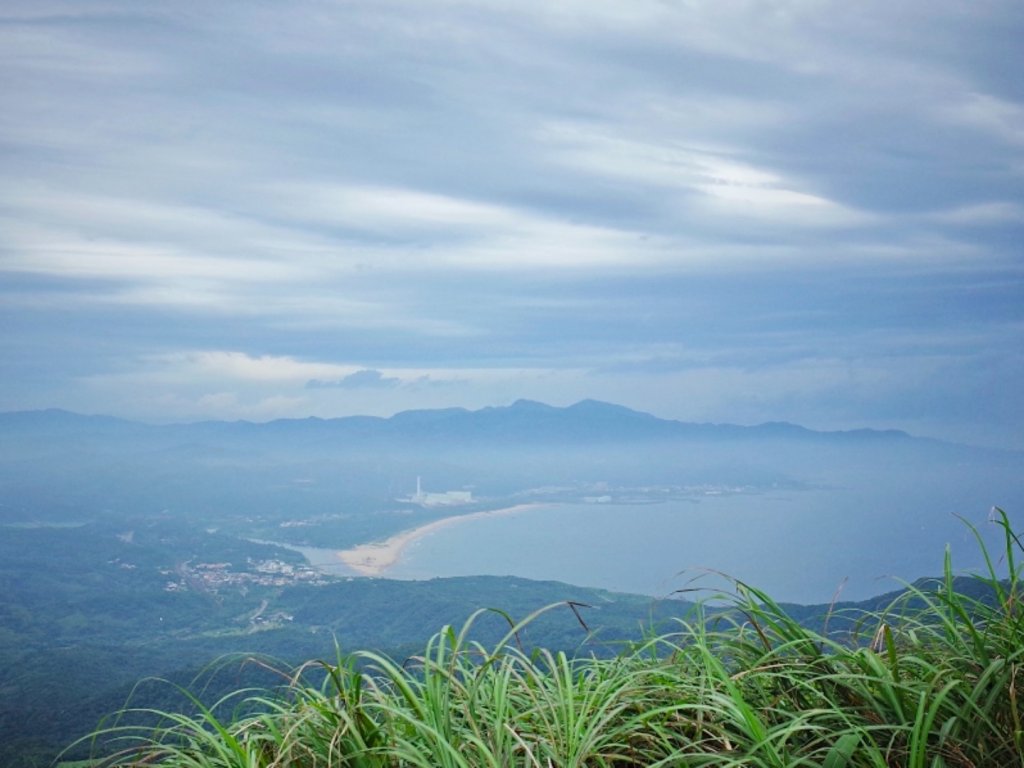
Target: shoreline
(375, 558)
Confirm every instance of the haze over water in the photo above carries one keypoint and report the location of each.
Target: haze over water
(798, 545)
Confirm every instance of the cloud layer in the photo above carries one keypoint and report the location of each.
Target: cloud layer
(714, 211)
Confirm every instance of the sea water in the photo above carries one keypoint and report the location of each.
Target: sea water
(799, 546)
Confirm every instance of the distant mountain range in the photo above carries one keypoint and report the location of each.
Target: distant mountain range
(521, 422)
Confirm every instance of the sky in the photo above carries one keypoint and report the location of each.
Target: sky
(729, 211)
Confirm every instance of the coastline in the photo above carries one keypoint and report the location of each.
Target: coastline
(377, 557)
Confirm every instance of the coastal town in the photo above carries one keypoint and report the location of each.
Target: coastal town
(212, 578)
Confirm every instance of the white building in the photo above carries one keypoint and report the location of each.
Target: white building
(448, 498)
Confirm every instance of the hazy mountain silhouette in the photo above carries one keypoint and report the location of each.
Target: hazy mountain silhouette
(522, 421)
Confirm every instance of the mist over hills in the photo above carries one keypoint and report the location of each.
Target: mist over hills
(858, 501)
(366, 460)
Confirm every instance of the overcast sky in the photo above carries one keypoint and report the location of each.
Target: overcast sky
(709, 210)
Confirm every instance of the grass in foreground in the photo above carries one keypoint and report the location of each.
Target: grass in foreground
(931, 681)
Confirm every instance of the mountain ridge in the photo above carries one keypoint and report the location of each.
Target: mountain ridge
(522, 409)
(525, 424)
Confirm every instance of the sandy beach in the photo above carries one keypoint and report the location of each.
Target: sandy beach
(375, 558)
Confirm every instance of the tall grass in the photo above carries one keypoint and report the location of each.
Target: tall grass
(930, 681)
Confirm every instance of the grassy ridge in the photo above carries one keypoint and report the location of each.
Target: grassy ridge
(932, 680)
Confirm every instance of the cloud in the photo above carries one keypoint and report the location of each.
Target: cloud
(401, 229)
(363, 379)
(982, 214)
(207, 208)
(997, 117)
(229, 365)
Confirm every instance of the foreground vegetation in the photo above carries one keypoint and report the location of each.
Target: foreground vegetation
(932, 680)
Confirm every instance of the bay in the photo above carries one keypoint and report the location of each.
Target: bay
(799, 546)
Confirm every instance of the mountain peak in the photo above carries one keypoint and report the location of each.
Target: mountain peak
(531, 405)
(601, 407)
